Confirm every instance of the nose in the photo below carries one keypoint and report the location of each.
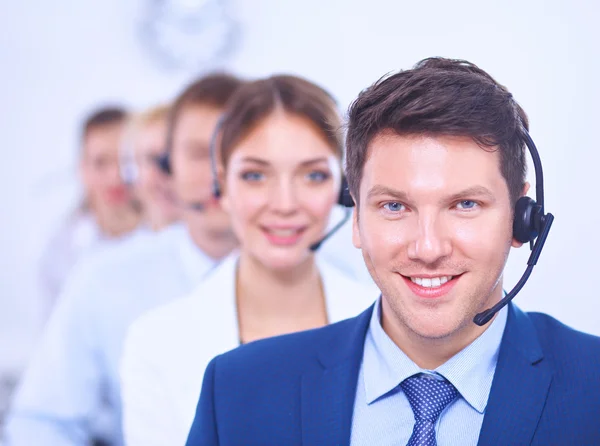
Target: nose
(113, 172)
(431, 242)
(283, 197)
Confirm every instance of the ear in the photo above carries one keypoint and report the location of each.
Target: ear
(355, 229)
(515, 243)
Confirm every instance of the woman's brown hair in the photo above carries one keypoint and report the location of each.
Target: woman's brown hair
(255, 101)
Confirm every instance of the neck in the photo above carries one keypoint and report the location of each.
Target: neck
(157, 220)
(430, 353)
(115, 221)
(215, 244)
(272, 302)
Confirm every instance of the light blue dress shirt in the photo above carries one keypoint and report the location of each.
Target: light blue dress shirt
(382, 413)
(74, 373)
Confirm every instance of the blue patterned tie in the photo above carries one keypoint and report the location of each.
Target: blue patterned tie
(428, 397)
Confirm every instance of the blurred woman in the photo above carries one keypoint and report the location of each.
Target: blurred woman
(107, 211)
(144, 144)
(279, 159)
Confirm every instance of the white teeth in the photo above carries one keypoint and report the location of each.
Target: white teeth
(434, 282)
(283, 232)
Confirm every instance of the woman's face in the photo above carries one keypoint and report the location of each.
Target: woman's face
(280, 185)
(154, 187)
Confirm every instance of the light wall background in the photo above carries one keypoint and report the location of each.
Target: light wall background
(59, 59)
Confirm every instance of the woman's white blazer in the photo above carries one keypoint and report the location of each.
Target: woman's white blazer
(168, 349)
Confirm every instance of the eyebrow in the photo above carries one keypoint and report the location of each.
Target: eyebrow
(475, 191)
(251, 159)
(195, 146)
(470, 192)
(384, 190)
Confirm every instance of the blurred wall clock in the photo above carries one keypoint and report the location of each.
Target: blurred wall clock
(197, 35)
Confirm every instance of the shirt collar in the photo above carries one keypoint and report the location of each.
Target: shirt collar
(471, 370)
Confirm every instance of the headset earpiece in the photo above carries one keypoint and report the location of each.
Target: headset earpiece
(216, 189)
(526, 220)
(345, 199)
(163, 161)
(530, 223)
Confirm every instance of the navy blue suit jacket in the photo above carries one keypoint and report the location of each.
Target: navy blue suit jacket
(299, 389)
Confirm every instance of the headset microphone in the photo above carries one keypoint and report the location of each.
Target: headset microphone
(530, 225)
(344, 200)
(216, 187)
(199, 207)
(163, 162)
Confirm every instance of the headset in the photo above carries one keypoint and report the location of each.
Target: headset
(344, 198)
(531, 224)
(163, 162)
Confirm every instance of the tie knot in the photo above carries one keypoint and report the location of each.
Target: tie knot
(428, 396)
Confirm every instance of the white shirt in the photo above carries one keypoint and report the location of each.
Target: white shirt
(168, 349)
(382, 413)
(76, 238)
(74, 372)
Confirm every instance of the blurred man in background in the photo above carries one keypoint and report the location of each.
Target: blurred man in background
(106, 210)
(143, 145)
(74, 372)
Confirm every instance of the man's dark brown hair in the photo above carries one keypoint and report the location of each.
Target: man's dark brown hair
(440, 97)
(213, 90)
(255, 101)
(103, 117)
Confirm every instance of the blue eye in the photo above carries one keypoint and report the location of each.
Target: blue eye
(318, 176)
(466, 204)
(252, 176)
(394, 206)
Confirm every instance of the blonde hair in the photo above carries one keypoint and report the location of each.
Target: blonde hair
(136, 122)
(152, 115)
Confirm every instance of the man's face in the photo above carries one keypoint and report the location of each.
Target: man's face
(192, 175)
(435, 227)
(99, 166)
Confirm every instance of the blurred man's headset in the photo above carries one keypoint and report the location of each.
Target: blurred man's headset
(163, 162)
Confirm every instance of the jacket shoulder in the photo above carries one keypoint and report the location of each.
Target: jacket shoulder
(285, 355)
(567, 348)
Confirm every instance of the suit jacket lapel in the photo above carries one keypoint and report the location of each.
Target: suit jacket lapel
(328, 390)
(520, 385)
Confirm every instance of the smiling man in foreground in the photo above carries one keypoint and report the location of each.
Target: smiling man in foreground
(436, 164)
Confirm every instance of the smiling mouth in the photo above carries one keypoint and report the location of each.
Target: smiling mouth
(431, 282)
(431, 286)
(283, 236)
(283, 232)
